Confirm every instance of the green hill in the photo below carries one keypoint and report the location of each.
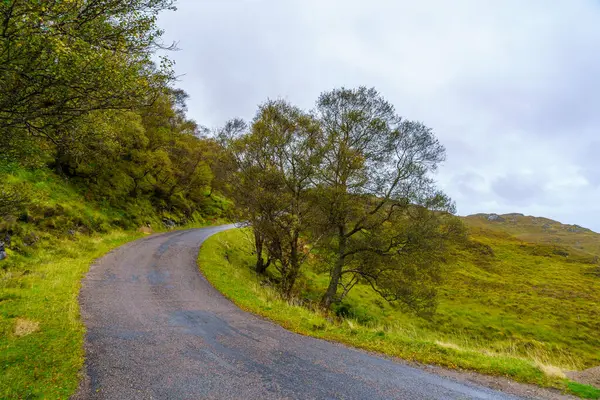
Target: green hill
(574, 238)
(539, 281)
(520, 296)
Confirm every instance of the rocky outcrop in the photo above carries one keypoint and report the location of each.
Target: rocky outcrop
(576, 229)
(495, 218)
(169, 223)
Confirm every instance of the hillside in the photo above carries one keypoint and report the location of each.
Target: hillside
(575, 238)
(50, 243)
(535, 298)
(505, 303)
(537, 272)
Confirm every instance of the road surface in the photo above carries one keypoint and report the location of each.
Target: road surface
(156, 329)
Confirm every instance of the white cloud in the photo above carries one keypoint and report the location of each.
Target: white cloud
(511, 88)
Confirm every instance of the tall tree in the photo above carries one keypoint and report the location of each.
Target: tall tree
(244, 181)
(278, 161)
(383, 212)
(292, 139)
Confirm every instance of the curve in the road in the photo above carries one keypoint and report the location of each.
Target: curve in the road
(156, 329)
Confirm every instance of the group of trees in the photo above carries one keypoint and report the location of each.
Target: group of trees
(81, 92)
(350, 183)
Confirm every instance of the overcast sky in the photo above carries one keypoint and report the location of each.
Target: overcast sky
(511, 88)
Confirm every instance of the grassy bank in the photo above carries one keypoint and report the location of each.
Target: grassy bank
(41, 335)
(54, 240)
(366, 322)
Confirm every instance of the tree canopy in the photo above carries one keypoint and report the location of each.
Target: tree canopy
(81, 92)
(348, 185)
(274, 166)
(350, 182)
(62, 60)
(377, 196)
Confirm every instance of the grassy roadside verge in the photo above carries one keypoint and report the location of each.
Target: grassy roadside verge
(41, 333)
(53, 241)
(225, 260)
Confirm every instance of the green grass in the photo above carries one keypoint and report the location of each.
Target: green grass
(53, 245)
(579, 240)
(42, 288)
(511, 313)
(584, 391)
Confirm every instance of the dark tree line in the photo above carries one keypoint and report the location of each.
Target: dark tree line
(80, 93)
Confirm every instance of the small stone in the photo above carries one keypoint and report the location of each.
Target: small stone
(169, 223)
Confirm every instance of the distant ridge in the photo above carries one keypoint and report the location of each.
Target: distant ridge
(538, 230)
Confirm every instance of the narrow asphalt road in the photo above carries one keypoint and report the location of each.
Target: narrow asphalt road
(156, 329)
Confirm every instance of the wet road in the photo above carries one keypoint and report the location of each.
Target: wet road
(156, 329)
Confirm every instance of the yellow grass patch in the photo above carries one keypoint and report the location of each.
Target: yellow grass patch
(24, 327)
(550, 370)
(447, 345)
(145, 229)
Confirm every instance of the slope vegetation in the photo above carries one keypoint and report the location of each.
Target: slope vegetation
(50, 244)
(577, 239)
(510, 307)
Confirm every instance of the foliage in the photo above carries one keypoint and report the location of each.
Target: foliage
(80, 93)
(274, 166)
(61, 60)
(349, 182)
(53, 240)
(378, 198)
(462, 336)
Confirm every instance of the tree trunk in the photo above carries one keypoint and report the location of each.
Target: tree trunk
(336, 272)
(294, 267)
(261, 265)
